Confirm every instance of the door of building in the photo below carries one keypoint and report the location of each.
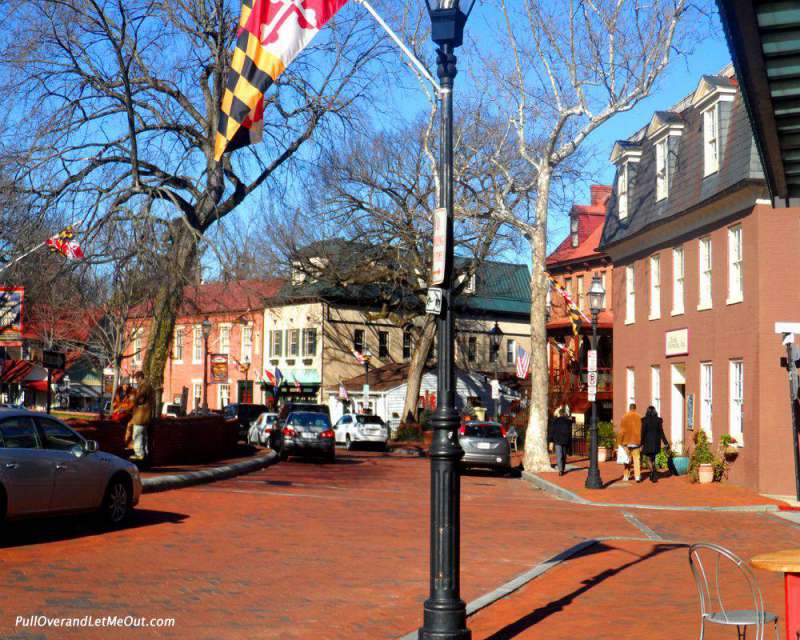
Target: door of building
(245, 391)
(678, 403)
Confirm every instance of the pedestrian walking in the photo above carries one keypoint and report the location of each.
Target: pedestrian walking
(652, 438)
(144, 402)
(630, 437)
(561, 437)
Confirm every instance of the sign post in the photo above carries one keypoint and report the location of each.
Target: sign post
(52, 360)
(439, 245)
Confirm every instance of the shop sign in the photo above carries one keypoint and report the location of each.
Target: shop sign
(677, 342)
(11, 306)
(219, 368)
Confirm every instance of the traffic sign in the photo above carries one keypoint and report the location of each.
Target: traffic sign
(591, 358)
(439, 245)
(591, 397)
(433, 304)
(53, 360)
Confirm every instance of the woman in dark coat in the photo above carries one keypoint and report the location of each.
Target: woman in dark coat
(652, 437)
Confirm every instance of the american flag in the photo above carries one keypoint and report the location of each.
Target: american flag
(523, 363)
(343, 392)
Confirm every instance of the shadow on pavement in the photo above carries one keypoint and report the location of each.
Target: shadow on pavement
(319, 461)
(524, 623)
(42, 530)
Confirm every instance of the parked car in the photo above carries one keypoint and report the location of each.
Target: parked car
(484, 446)
(305, 434)
(47, 468)
(261, 428)
(352, 428)
(244, 414)
(291, 407)
(172, 410)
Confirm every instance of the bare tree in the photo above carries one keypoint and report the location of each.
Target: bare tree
(570, 67)
(121, 101)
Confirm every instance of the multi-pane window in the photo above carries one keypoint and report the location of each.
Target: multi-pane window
(677, 280)
(630, 296)
(581, 301)
(735, 271)
(224, 338)
(511, 352)
(137, 347)
(662, 173)
(407, 342)
(383, 344)
(309, 342)
(630, 387)
(736, 410)
(247, 343)
(294, 343)
(276, 343)
(704, 254)
(706, 396)
(224, 395)
(177, 346)
(358, 340)
(622, 192)
(197, 395)
(472, 349)
(197, 345)
(711, 140)
(655, 387)
(568, 287)
(655, 287)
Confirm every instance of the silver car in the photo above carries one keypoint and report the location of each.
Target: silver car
(484, 446)
(47, 468)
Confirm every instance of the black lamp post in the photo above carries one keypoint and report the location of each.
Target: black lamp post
(597, 297)
(495, 342)
(367, 355)
(206, 326)
(444, 612)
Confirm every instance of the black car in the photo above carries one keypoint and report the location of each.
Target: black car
(244, 414)
(304, 433)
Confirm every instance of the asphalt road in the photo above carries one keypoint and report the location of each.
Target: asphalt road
(298, 550)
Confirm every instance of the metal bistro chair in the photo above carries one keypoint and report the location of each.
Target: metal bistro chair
(712, 608)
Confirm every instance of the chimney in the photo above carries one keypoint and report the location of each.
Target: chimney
(600, 194)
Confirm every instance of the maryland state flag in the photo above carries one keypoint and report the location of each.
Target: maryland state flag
(64, 244)
(271, 34)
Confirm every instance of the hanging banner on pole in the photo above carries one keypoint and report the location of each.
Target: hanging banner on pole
(439, 245)
(219, 368)
(11, 304)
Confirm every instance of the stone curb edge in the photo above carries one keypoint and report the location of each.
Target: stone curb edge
(203, 476)
(565, 494)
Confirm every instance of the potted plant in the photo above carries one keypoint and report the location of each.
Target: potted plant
(606, 439)
(703, 459)
(728, 447)
(679, 458)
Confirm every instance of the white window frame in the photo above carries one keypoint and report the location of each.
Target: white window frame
(678, 280)
(197, 400)
(662, 169)
(630, 295)
(511, 352)
(655, 387)
(622, 191)
(293, 347)
(655, 287)
(736, 400)
(137, 347)
(220, 387)
(177, 345)
(707, 398)
(630, 387)
(224, 338)
(705, 279)
(197, 344)
(711, 140)
(735, 265)
(309, 353)
(581, 301)
(247, 343)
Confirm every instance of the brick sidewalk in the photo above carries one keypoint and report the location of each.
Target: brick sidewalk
(242, 454)
(669, 490)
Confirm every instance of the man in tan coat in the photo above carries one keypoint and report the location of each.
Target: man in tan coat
(630, 437)
(143, 406)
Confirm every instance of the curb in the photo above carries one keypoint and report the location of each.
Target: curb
(565, 494)
(203, 476)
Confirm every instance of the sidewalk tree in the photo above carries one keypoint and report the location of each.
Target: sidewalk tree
(120, 105)
(567, 68)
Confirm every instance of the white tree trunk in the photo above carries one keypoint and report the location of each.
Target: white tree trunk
(417, 367)
(536, 456)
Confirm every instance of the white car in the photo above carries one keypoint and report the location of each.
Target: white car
(353, 428)
(47, 468)
(261, 428)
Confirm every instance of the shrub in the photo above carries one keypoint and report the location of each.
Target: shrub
(606, 437)
(408, 431)
(703, 454)
(661, 459)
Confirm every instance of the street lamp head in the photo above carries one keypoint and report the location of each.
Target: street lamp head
(495, 337)
(447, 21)
(597, 295)
(206, 325)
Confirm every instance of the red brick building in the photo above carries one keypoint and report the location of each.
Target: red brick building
(704, 267)
(573, 265)
(236, 312)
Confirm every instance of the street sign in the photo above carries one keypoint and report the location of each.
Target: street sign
(439, 245)
(495, 389)
(433, 305)
(365, 392)
(591, 397)
(591, 378)
(592, 360)
(53, 360)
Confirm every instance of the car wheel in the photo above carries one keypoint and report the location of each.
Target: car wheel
(117, 501)
(348, 443)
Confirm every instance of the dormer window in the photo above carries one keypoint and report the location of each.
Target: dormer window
(711, 94)
(662, 170)
(711, 140)
(622, 192)
(663, 132)
(626, 155)
(470, 286)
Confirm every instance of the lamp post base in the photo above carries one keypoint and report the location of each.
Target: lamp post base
(444, 623)
(593, 480)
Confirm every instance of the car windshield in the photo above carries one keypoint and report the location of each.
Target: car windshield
(369, 420)
(312, 420)
(270, 419)
(483, 430)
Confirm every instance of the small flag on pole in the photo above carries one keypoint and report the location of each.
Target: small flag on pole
(296, 383)
(64, 244)
(359, 357)
(271, 377)
(343, 395)
(523, 363)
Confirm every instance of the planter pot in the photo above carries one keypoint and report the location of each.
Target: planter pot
(602, 454)
(681, 464)
(730, 453)
(705, 474)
